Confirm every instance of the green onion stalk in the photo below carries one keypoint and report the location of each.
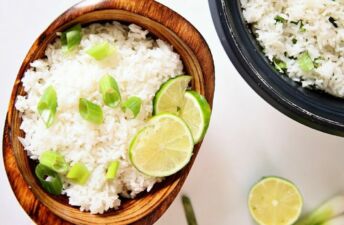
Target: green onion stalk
(329, 210)
(336, 221)
(189, 212)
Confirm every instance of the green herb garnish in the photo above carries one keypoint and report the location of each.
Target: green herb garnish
(280, 65)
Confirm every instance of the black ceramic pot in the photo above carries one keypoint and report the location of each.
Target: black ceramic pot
(310, 107)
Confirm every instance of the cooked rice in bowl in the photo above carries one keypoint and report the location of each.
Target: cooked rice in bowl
(142, 65)
(294, 32)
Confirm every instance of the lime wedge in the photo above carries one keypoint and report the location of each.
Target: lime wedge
(170, 97)
(163, 147)
(275, 201)
(196, 113)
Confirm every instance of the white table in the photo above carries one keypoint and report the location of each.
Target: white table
(247, 138)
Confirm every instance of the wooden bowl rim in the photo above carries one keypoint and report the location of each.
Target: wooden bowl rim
(87, 6)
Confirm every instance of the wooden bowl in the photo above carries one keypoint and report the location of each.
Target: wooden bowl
(147, 207)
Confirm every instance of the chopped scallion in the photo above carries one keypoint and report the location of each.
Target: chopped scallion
(47, 106)
(101, 51)
(112, 170)
(90, 111)
(132, 106)
(110, 91)
(72, 37)
(53, 161)
(78, 173)
(49, 179)
(305, 62)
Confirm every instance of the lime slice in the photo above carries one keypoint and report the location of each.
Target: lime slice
(275, 201)
(170, 97)
(163, 147)
(196, 113)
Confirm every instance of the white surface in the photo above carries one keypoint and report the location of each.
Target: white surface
(247, 138)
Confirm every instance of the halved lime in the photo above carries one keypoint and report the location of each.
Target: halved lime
(170, 97)
(275, 201)
(163, 147)
(196, 113)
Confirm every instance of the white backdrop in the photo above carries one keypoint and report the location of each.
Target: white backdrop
(247, 138)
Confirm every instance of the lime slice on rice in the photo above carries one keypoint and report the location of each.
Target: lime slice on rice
(163, 147)
(170, 97)
(189, 105)
(275, 201)
(196, 113)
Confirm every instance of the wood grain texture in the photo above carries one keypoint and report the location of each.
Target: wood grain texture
(147, 207)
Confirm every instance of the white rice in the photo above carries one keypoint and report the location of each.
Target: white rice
(142, 66)
(323, 41)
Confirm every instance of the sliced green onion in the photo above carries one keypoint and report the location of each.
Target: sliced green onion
(305, 62)
(110, 91)
(112, 170)
(101, 51)
(47, 106)
(132, 106)
(330, 209)
(54, 161)
(280, 65)
(90, 111)
(189, 212)
(78, 173)
(49, 179)
(72, 37)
